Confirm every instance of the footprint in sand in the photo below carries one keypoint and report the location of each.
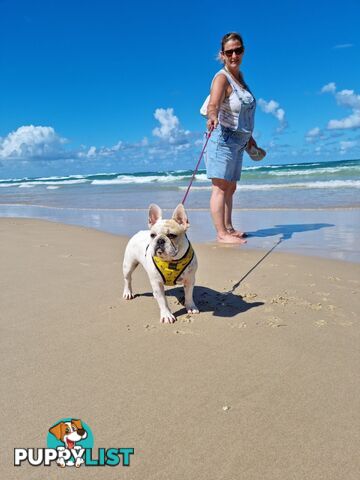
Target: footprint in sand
(280, 299)
(275, 322)
(187, 319)
(315, 306)
(320, 323)
(149, 327)
(240, 325)
(183, 332)
(249, 295)
(324, 296)
(345, 323)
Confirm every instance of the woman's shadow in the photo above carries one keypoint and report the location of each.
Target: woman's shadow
(287, 231)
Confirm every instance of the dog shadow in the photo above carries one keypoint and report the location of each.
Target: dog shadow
(221, 304)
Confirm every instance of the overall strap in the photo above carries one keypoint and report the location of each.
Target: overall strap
(240, 91)
(229, 78)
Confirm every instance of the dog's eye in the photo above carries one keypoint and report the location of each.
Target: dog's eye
(67, 430)
(152, 235)
(172, 236)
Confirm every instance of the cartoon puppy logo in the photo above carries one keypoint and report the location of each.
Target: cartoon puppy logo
(69, 433)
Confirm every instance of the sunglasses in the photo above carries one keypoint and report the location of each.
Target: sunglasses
(237, 51)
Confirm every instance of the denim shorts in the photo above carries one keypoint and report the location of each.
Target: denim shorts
(224, 153)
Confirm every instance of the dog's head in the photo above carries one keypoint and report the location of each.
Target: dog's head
(168, 236)
(69, 432)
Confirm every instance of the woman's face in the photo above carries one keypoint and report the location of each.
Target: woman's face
(233, 54)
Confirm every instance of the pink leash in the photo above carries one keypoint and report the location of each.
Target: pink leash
(208, 135)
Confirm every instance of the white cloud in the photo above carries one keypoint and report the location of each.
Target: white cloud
(313, 134)
(31, 141)
(329, 87)
(168, 121)
(274, 109)
(169, 129)
(91, 152)
(101, 151)
(343, 45)
(348, 99)
(34, 148)
(352, 121)
(347, 145)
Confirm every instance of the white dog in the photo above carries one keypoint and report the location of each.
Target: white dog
(167, 256)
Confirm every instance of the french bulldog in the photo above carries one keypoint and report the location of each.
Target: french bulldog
(167, 256)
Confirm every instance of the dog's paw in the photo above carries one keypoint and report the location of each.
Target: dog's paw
(192, 308)
(167, 317)
(127, 295)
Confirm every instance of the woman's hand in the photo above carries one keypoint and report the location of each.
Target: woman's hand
(212, 121)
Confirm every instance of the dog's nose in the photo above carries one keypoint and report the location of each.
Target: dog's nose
(161, 242)
(81, 431)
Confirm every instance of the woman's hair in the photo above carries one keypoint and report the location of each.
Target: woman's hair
(231, 36)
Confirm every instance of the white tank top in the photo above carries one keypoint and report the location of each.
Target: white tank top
(237, 111)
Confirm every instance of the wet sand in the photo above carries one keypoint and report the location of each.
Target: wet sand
(327, 233)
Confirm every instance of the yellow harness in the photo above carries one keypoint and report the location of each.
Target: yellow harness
(171, 271)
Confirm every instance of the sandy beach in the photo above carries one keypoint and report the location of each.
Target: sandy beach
(262, 384)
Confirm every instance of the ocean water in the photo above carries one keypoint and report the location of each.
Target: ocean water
(309, 208)
(307, 185)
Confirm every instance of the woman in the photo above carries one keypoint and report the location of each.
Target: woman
(230, 115)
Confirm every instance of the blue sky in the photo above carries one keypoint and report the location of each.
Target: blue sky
(115, 86)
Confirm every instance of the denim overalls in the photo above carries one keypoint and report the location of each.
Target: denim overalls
(227, 142)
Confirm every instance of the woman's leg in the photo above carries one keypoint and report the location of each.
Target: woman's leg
(218, 209)
(228, 210)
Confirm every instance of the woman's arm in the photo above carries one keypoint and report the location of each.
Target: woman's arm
(217, 96)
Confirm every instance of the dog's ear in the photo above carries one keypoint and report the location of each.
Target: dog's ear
(77, 423)
(180, 216)
(57, 430)
(154, 214)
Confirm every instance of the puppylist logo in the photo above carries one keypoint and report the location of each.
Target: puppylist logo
(70, 443)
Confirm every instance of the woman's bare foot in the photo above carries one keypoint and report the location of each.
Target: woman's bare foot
(236, 233)
(230, 238)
